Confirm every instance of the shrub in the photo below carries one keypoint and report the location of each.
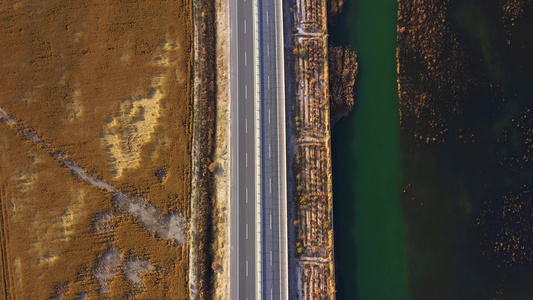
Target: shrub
(327, 224)
(215, 266)
(299, 188)
(302, 52)
(213, 167)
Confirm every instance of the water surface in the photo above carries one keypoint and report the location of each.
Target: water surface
(369, 229)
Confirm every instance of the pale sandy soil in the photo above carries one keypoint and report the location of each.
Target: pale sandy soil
(222, 152)
(195, 171)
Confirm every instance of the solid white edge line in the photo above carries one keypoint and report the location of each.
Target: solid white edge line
(257, 106)
(282, 158)
(234, 289)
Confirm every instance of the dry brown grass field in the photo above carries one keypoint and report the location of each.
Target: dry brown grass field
(108, 84)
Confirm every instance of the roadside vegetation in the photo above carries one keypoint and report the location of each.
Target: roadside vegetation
(205, 66)
(312, 236)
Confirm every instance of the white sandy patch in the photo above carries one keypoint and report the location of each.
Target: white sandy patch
(135, 268)
(171, 227)
(107, 268)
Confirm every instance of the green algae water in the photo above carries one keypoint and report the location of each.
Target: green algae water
(370, 247)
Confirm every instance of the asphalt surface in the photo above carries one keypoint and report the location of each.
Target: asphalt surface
(244, 243)
(272, 154)
(246, 278)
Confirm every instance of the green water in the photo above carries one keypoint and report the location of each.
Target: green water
(369, 229)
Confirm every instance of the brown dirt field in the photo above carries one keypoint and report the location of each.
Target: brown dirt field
(109, 84)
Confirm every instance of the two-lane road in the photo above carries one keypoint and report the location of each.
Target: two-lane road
(273, 204)
(258, 242)
(244, 276)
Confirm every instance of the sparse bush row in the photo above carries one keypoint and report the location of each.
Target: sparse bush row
(205, 66)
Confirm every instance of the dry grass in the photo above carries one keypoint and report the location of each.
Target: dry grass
(109, 84)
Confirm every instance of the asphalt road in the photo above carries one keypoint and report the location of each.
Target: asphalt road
(271, 276)
(244, 252)
(273, 183)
